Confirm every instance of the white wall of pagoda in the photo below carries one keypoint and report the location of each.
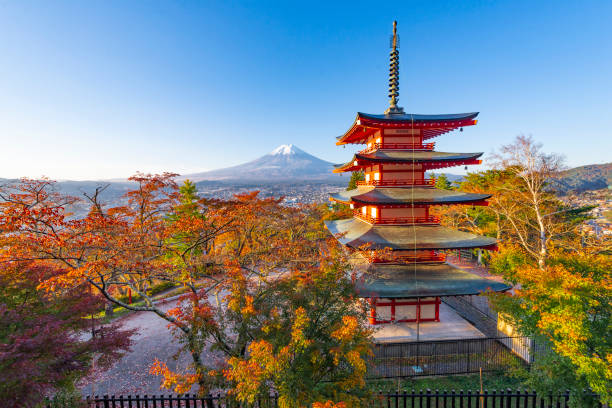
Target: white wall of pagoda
(404, 310)
(403, 212)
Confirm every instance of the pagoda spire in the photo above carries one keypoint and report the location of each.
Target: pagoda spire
(394, 74)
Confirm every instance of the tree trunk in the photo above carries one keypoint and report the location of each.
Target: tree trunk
(109, 309)
(498, 222)
(196, 352)
(543, 247)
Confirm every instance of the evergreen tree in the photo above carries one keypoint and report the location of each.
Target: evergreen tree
(355, 177)
(442, 182)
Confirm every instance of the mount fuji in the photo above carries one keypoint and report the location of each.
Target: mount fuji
(286, 163)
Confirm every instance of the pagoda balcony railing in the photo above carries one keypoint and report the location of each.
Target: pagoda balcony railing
(399, 146)
(398, 183)
(431, 219)
(406, 259)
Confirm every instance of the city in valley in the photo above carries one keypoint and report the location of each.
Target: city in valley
(601, 215)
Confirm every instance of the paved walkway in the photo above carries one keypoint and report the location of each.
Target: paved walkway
(130, 375)
(451, 326)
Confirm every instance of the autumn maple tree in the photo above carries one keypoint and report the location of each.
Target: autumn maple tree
(238, 262)
(49, 340)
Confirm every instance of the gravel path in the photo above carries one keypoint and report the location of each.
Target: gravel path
(130, 375)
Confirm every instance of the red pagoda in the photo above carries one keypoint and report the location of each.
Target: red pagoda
(392, 211)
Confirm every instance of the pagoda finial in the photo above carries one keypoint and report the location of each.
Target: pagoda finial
(394, 74)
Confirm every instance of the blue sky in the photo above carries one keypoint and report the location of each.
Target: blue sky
(101, 89)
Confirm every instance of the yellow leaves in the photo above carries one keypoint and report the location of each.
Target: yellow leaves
(357, 377)
(346, 332)
(248, 309)
(568, 302)
(298, 341)
(354, 359)
(247, 376)
(268, 363)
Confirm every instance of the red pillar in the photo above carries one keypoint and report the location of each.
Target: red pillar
(372, 311)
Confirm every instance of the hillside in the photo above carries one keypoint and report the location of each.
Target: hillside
(583, 178)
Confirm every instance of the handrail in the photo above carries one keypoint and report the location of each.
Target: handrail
(431, 219)
(399, 146)
(398, 183)
(410, 258)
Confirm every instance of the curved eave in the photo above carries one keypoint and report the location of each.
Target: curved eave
(432, 159)
(407, 197)
(433, 125)
(410, 118)
(358, 234)
(423, 280)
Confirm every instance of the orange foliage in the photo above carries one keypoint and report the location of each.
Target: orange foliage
(179, 383)
(230, 256)
(329, 404)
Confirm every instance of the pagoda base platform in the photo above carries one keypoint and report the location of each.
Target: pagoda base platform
(450, 327)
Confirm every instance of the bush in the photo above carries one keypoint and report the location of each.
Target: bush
(160, 287)
(67, 399)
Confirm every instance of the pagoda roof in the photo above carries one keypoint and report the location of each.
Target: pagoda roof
(408, 195)
(409, 156)
(366, 124)
(356, 233)
(410, 117)
(422, 280)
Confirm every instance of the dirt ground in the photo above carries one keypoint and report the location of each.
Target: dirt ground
(130, 375)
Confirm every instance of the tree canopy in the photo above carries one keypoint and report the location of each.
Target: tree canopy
(562, 277)
(249, 267)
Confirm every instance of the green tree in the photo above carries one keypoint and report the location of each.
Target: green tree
(355, 177)
(313, 342)
(188, 198)
(443, 183)
(562, 278)
(568, 306)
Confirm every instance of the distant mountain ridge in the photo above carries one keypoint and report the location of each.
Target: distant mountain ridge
(288, 164)
(583, 178)
(284, 164)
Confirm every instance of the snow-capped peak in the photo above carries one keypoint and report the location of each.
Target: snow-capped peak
(285, 149)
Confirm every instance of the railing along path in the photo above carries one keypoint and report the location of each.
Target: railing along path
(393, 399)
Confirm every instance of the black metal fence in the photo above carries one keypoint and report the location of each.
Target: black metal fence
(477, 311)
(468, 399)
(176, 401)
(445, 357)
(404, 399)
